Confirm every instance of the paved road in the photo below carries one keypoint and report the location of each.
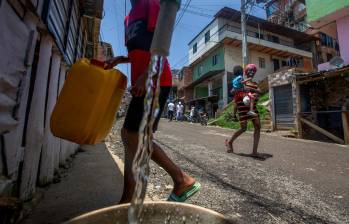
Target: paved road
(303, 181)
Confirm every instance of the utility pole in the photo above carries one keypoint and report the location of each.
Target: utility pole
(244, 33)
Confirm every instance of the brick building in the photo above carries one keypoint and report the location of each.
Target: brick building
(294, 14)
(185, 78)
(104, 51)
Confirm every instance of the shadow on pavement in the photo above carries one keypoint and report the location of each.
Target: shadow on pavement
(94, 181)
(274, 207)
(259, 156)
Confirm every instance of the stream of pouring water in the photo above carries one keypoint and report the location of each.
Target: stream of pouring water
(140, 165)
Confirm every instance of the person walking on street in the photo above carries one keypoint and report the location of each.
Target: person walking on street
(180, 110)
(140, 26)
(192, 113)
(244, 116)
(170, 108)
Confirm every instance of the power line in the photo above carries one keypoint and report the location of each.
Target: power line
(182, 14)
(199, 13)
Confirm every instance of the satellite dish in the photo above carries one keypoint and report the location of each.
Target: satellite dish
(336, 62)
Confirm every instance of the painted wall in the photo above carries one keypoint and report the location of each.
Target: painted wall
(234, 32)
(316, 9)
(24, 80)
(233, 58)
(217, 87)
(207, 64)
(343, 37)
(201, 92)
(203, 47)
(15, 34)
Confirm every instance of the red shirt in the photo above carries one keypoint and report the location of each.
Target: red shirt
(139, 31)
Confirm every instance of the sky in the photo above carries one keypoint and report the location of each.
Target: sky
(195, 18)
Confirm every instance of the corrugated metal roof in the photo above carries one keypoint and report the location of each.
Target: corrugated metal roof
(308, 76)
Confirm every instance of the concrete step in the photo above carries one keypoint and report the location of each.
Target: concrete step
(265, 122)
(285, 127)
(268, 116)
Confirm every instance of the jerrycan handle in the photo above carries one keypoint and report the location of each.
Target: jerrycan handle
(97, 63)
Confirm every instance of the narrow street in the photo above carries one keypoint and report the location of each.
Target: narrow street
(298, 183)
(69, 68)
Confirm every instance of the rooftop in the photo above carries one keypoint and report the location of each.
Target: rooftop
(310, 77)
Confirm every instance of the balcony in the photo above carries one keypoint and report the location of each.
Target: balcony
(231, 35)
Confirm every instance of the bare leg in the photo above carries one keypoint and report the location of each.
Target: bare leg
(242, 129)
(181, 180)
(257, 134)
(130, 141)
(235, 111)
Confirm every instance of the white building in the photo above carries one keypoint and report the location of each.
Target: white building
(215, 51)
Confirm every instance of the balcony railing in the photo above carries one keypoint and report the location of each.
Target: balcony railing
(261, 36)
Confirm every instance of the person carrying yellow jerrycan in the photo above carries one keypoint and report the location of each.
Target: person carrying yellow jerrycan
(88, 103)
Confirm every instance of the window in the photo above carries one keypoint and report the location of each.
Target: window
(180, 75)
(276, 64)
(261, 62)
(207, 36)
(259, 35)
(329, 57)
(201, 69)
(271, 9)
(323, 38)
(293, 62)
(328, 41)
(215, 60)
(195, 48)
(274, 39)
(284, 63)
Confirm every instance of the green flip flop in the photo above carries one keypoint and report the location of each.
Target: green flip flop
(185, 195)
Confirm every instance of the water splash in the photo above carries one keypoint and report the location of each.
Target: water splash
(140, 166)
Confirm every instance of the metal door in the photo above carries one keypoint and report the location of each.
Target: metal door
(283, 104)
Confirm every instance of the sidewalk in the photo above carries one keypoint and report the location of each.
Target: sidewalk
(94, 181)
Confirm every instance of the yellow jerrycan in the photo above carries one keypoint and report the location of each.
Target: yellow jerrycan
(87, 105)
